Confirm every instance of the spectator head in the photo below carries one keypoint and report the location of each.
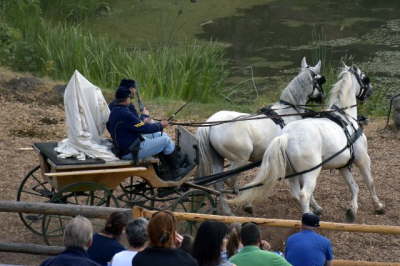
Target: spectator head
(115, 224)
(209, 242)
(136, 232)
(187, 243)
(233, 244)
(310, 220)
(250, 234)
(78, 233)
(161, 229)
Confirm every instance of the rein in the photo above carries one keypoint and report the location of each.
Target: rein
(256, 117)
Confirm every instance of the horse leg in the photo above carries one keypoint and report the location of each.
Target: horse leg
(364, 164)
(232, 181)
(222, 205)
(309, 181)
(352, 211)
(315, 206)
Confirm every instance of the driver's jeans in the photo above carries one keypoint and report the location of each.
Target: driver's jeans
(153, 144)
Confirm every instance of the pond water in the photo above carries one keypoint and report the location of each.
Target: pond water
(268, 41)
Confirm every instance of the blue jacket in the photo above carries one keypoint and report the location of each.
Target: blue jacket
(70, 257)
(125, 127)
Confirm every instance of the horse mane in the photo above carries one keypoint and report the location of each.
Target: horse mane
(337, 91)
(294, 91)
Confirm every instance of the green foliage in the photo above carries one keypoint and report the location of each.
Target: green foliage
(189, 71)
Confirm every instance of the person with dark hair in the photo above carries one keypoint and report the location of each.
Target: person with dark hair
(234, 245)
(106, 243)
(251, 254)
(209, 248)
(308, 247)
(134, 139)
(136, 233)
(164, 242)
(77, 238)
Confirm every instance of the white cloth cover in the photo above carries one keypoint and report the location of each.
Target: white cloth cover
(86, 115)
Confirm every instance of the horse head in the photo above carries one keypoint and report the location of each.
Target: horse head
(316, 93)
(364, 88)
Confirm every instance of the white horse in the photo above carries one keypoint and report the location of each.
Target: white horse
(243, 141)
(308, 143)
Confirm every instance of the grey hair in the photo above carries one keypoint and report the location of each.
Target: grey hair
(136, 232)
(78, 233)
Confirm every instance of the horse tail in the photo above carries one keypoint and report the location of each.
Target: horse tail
(208, 156)
(272, 168)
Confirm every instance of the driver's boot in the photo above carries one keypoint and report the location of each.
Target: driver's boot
(179, 165)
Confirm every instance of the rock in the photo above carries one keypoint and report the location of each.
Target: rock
(23, 84)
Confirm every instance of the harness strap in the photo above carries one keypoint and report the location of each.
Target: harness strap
(354, 137)
(273, 115)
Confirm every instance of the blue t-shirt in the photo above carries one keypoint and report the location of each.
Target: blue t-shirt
(103, 249)
(308, 248)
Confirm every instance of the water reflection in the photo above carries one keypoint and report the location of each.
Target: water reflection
(273, 37)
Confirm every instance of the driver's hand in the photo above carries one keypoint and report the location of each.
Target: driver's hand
(145, 111)
(164, 123)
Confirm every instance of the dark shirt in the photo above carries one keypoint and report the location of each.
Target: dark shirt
(308, 248)
(70, 257)
(103, 249)
(125, 127)
(163, 257)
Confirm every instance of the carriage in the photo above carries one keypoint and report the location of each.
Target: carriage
(119, 183)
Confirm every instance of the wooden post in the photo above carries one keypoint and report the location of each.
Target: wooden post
(30, 248)
(58, 209)
(364, 228)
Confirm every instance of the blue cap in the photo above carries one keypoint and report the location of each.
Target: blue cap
(127, 83)
(122, 93)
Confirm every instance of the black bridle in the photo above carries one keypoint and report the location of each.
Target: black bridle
(318, 81)
(363, 81)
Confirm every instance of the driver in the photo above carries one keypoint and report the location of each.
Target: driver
(131, 136)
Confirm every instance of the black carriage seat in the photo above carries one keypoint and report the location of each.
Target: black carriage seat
(46, 149)
(48, 152)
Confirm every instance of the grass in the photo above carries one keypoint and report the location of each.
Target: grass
(190, 71)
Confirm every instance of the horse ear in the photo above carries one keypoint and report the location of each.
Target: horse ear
(317, 67)
(304, 63)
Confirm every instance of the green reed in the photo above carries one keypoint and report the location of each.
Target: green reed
(190, 71)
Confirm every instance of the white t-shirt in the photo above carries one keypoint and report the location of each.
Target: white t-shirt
(123, 258)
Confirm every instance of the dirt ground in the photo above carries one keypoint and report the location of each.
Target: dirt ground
(37, 116)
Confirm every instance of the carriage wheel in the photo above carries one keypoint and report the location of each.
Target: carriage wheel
(85, 193)
(194, 201)
(34, 189)
(135, 192)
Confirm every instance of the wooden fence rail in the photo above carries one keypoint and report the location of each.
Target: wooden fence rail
(58, 209)
(197, 217)
(104, 212)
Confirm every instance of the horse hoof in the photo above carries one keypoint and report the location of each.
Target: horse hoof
(380, 211)
(350, 216)
(248, 208)
(318, 212)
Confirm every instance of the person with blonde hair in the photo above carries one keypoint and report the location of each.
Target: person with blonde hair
(164, 242)
(77, 239)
